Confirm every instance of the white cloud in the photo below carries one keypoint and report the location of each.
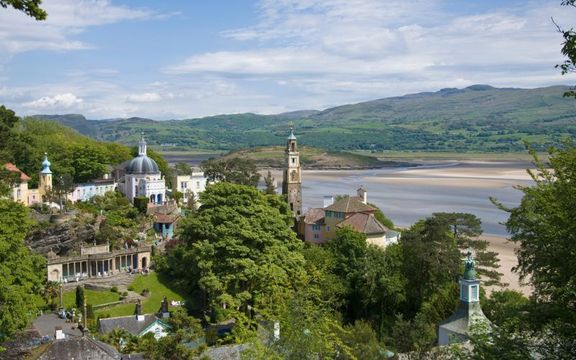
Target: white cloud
(301, 54)
(143, 98)
(66, 18)
(348, 50)
(60, 101)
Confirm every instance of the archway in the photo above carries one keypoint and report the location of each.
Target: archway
(159, 197)
(144, 262)
(55, 275)
(152, 199)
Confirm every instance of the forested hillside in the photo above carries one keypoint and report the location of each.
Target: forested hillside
(24, 142)
(477, 118)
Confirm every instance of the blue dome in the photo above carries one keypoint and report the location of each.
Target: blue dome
(142, 164)
(46, 165)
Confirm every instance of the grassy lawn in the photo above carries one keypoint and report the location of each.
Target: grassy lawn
(158, 286)
(93, 297)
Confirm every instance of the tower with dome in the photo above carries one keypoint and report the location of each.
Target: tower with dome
(143, 178)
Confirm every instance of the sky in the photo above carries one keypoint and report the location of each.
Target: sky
(185, 59)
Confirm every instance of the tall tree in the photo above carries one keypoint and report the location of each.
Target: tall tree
(236, 171)
(29, 7)
(80, 297)
(544, 227)
(21, 273)
(466, 229)
(349, 248)
(241, 249)
(270, 183)
(434, 260)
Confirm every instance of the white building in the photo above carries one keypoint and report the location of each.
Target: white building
(190, 184)
(143, 178)
(86, 191)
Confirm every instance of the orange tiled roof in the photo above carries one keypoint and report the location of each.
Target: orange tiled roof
(13, 168)
(364, 223)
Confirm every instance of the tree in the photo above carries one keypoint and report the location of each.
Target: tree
(29, 7)
(270, 184)
(434, 260)
(349, 248)
(80, 297)
(568, 49)
(51, 292)
(466, 230)
(182, 168)
(239, 251)
(236, 171)
(21, 273)
(544, 227)
(382, 218)
(383, 286)
(177, 196)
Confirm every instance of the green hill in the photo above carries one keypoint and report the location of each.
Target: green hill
(310, 158)
(477, 118)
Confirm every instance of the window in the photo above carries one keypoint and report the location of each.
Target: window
(327, 228)
(328, 214)
(316, 236)
(316, 227)
(474, 293)
(293, 160)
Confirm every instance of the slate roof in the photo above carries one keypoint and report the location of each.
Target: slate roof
(350, 204)
(364, 223)
(466, 314)
(128, 323)
(13, 168)
(314, 216)
(165, 219)
(79, 348)
(142, 164)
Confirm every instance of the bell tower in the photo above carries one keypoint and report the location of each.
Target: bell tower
(45, 177)
(292, 181)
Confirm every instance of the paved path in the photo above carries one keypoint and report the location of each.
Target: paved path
(46, 323)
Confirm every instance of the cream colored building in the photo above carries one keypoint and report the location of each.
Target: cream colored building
(190, 184)
(97, 261)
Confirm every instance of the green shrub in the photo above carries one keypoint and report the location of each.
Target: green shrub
(114, 289)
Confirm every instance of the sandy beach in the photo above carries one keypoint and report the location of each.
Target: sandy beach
(508, 260)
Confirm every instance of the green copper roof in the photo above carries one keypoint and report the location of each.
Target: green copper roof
(291, 136)
(469, 267)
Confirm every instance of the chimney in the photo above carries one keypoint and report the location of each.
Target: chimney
(328, 200)
(58, 333)
(138, 311)
(362, 194)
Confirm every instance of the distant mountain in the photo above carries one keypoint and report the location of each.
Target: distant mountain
(476, 118)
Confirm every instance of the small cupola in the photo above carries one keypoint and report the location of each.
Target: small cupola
(46, 165)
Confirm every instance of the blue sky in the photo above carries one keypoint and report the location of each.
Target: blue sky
(183, 59)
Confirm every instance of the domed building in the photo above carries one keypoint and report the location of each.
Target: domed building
(143, 178)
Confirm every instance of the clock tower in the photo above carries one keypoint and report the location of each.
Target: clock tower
(292, 181)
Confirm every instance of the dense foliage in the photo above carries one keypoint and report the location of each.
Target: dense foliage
(236, 171)
(21, 273)
(238, 250)
(24, 142)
